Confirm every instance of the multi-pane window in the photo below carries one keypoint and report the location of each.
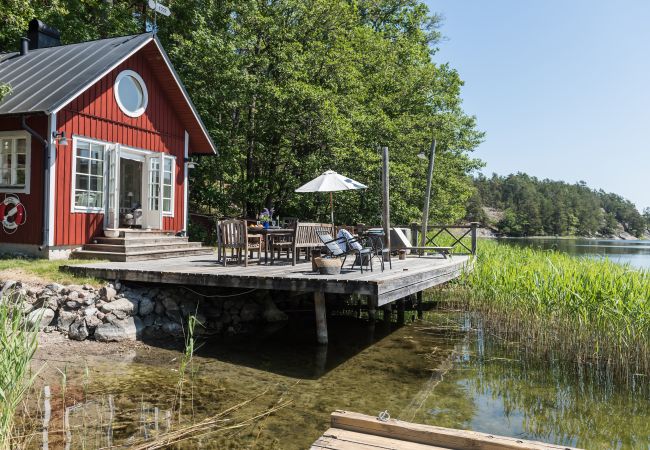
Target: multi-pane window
(14, 170)
(154, 184)
(168, 185)
(89, 175)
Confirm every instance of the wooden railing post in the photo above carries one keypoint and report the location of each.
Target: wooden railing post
(474, 226)
(414, 237)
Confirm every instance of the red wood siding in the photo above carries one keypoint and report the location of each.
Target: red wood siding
(95, 114)
(32, 231)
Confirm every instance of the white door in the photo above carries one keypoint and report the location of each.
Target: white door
(112, 163)
(152, 207)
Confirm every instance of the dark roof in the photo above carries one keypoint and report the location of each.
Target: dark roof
(46, 79)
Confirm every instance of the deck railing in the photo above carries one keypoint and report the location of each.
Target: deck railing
(461, 238)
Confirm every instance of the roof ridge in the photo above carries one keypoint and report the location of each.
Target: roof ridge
(130, 36)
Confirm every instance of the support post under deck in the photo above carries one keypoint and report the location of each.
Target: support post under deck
(321, 317)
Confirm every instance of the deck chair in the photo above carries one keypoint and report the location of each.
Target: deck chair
(336, 250)
(233, 234)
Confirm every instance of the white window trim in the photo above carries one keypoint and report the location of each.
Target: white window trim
(162, 186)
(28, 161)
(82, 209)
(145, 95)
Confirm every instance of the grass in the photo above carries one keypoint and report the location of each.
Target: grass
(45, 271)
(591, 311)
(18, 341)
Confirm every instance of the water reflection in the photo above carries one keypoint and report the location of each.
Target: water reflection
(443, 370)
(635, 253)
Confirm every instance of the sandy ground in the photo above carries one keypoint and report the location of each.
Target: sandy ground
(24, 277)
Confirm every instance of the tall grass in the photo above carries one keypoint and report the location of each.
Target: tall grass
(592, 311)
(18, 340)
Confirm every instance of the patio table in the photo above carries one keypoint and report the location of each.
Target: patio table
(269, 234)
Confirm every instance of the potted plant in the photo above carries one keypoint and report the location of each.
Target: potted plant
(266, 216)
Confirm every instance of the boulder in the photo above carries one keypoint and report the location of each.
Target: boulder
(52, 303)
(93, 322)
(146, 306)
(119, 330)
(41, 317)
(66, 318)
(90, 311)
(272, 313)
(170, 304)
(173, 328)
(73, 295)
(78, 330)
(123, 305)
(72, 305)
(54, 287)
(249, 312)
(107, 293)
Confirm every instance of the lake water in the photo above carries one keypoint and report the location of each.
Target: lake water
(635, 253)
(442, 370)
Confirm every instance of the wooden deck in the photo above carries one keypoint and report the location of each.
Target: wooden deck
(353, 431)
(409, 276)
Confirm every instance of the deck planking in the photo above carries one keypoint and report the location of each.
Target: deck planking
(409, 276)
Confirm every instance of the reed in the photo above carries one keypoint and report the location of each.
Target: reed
(590, 310)
(18, 340)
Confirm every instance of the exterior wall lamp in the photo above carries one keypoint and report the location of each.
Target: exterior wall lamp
(60, 138)
(190, 164)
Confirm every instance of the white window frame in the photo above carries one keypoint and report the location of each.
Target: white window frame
(85, 209)
(169, 213)
(15, 189)
(145, 95)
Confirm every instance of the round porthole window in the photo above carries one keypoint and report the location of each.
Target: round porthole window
(131, 93)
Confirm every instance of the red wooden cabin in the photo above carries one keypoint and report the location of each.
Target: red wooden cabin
(93, 136)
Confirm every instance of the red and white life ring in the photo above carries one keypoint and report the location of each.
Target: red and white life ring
(12, 214)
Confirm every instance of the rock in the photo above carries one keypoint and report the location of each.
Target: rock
(27, 308)
(174, 315)
(123, 305)
(90, 311)
(78, 330)
(173, 328)
(54, 287)
(189, 307)
(73, 296)
(52, 303)
(119, 314)
(272, 313)
(66, 318)
(72, 305)
(248, 312)
(100, 315)
(93, 322)
(49, 329)
(146, 306)
(6, 287)
(87, 287)
(170, 304)
(148, 321)
(107, 293)
(159, 308)
(119, 330)
(41, 317)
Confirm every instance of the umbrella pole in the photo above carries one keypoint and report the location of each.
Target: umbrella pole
(332, 209)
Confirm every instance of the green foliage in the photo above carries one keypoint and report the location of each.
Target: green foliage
(18, 340)
(533, 207)
(586, 309)
(5, 89)
(291, 88)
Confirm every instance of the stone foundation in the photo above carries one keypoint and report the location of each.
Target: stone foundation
(126, 312)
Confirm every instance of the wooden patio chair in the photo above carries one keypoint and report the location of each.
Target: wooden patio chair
(306, 238)
(233, 235)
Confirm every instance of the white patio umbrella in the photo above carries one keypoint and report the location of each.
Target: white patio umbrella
(331, 181)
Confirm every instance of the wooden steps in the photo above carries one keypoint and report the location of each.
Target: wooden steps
(354, 431)
(141, 245)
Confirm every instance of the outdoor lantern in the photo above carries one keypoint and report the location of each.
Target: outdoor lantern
(190, 164)
(60, 137)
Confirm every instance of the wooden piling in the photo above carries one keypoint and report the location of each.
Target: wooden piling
(321, 317)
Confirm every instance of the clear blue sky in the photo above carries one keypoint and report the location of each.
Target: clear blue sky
(561, 88)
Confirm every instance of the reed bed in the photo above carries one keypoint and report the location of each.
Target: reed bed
(18, 340)
(592, 311)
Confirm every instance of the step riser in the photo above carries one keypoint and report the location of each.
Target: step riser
(143, 234)
(123, 257)
(141, 248)
(138, 241)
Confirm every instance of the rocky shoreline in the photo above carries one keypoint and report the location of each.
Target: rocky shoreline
(120, 312)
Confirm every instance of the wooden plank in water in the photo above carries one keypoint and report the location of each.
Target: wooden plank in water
(337, 439)
(433, 436)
